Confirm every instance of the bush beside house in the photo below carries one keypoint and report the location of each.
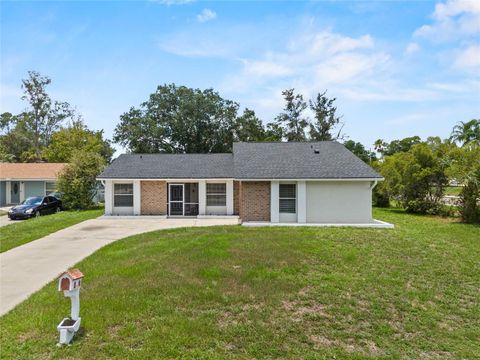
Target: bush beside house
(78, 180)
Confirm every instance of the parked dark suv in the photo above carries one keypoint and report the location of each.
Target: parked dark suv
(35, 206)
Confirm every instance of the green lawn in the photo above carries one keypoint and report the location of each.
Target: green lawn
(24, 231)
(235, 292)
(2, 213)
(453, 190)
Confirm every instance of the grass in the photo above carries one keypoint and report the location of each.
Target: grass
(24, 231)
(235, 292)
(3, 212)
(453, 190)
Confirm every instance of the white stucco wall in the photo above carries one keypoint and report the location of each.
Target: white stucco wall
(202, 197)
(339, 202)
(108, 197)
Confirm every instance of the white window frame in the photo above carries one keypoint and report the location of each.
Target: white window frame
(207, 194)
(131, 195)
(280, 198)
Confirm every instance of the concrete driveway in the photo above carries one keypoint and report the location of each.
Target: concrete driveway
(4, 220)
(27, 268)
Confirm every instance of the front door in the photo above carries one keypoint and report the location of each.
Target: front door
(15, 192)
(175, 207)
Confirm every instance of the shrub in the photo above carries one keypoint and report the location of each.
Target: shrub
(416, 178)
(465, 167)
(470, 207)
(380, 196)
(77, 181)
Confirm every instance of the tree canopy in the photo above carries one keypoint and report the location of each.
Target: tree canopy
(77, 137)
(358, 149)
(466, 132)
(292, 120)
(44, 115)
(396, 146)
(326, 119)
(296, 126)
(28, 136)
(178, 119)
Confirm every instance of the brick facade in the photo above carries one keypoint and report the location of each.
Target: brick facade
(251, 199)
(153, 198)
(254, 200)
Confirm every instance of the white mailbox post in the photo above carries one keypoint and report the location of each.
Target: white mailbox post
(70, 282)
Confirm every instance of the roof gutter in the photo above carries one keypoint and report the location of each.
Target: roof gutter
(374, 183)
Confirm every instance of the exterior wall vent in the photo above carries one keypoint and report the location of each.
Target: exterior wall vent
(316, 151)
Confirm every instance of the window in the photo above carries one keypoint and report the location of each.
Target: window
(217, 194)
(123, 195)
(50, 187)
(288, 198)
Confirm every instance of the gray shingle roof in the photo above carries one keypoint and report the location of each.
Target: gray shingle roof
(264, 160)
(170, 166)
(298, 160)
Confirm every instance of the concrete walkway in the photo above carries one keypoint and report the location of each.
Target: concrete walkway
(27, 268)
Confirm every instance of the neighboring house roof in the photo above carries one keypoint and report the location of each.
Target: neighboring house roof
(298, 160)
(30, 171)
(170, 166)
(253, 160)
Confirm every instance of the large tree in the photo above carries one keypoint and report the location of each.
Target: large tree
(358, 149)
(465, 132)
(326, 119)
(77, 137)
(180, 120)
(248, 127)
(396, 146)
(24, 136)
(44, 115)
(15, 141)
(291, 120)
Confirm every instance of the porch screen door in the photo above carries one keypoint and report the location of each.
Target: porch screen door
(176, 199)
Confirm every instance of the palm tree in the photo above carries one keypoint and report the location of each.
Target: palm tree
(465, 132)
(380, 146)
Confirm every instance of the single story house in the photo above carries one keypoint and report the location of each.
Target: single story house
(260, 182)
(19, 181)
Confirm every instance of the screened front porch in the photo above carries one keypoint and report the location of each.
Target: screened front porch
(197, 198)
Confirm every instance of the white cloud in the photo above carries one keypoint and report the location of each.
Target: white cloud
(452, 19)
(206, 15)
(468, 59)
(328, 42)
(265, 68)
(412, 48)
(311, 62)
(455, 7)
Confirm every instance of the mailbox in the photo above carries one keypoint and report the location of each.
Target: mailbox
(70, 282)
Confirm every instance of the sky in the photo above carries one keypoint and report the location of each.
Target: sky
(396, 68)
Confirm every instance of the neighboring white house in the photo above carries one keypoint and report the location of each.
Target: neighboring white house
(261, 182)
